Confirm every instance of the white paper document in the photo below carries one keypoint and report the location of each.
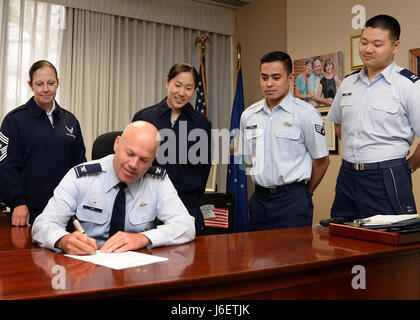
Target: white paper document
(388, 219)
(119, 261)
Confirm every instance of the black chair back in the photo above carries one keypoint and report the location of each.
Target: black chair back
(104, 144)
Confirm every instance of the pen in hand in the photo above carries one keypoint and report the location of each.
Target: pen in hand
(78, 227)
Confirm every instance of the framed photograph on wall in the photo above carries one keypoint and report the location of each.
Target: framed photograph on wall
(317, 78)
(330, 134)
(356, 62)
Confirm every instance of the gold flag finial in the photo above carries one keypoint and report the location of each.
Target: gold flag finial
(202, 41)
(238, 51)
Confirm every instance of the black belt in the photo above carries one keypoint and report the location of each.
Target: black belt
(373, 165)
(279, 189)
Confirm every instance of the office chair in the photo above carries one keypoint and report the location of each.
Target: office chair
(104, 144)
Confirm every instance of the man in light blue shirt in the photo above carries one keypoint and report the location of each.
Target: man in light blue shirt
(376, 112)
(314, 80)
(90, 189)
(283, 141)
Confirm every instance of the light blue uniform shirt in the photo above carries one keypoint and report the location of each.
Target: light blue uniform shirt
(91, 197)
(379, 119)
(313, 83)
(281, 144)
(50, 114)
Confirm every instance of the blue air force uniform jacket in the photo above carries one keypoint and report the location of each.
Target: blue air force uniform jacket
(186, 166)
(36, 155)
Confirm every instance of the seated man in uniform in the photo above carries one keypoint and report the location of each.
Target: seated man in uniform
(93, 192)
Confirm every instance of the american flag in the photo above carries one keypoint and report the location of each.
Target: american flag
(201, 101)
(220, 221)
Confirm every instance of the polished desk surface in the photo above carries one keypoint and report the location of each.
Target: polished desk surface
(224, 266)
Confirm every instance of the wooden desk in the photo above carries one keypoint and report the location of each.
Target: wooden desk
(298, 263)
(12, 238)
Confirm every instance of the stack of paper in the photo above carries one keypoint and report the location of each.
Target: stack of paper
(381, 219)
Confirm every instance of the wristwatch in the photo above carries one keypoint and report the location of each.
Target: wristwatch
(411, 169)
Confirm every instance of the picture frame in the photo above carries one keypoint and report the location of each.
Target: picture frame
(415, 60)
(330, 134)
(356, 62)
(211, 185)
(307, 77)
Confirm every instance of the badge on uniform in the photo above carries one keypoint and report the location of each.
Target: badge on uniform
(288, 124)
(4, 142)
(346, 94)
(70, 132)
(83, 169)
(252, 127)
(92, 208)
(320, 129)
(156, 172)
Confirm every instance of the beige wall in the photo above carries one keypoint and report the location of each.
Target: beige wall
(261, 27)
(313, 28)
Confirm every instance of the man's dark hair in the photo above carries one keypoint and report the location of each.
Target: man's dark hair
(385, 22)
(278, 56)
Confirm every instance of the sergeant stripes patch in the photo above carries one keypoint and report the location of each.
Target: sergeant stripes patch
(4, 142)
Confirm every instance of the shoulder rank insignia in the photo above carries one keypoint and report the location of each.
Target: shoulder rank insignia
(83, 169)
(156, 172)
(408, 74)
(357, 71)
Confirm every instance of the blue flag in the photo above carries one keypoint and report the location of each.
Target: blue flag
(236, 177)
(201, 101)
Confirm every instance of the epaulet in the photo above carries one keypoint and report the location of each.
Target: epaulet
(18, 109)
(83, 169)
(409, 75)
(156, 172)
(355, 72)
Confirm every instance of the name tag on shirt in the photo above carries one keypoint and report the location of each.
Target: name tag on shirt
(92, 208)
(251, 127)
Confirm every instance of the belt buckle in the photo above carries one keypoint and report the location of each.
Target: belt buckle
(273, 190)
(359, 166)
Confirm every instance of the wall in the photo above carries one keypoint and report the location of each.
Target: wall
(261, 27)
(313, 28)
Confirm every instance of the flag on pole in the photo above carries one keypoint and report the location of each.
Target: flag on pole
(201, 101)
(236, 178)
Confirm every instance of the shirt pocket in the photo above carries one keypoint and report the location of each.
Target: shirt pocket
(92, 220)
(347, 101)
(142, 219)
(383, 117)
(253, 139)
(385, 107)
(288, 144)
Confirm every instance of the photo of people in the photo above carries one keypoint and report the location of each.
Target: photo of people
(317, 78)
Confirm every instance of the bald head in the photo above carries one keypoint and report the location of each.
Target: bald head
(143, 132)
(135, 150)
